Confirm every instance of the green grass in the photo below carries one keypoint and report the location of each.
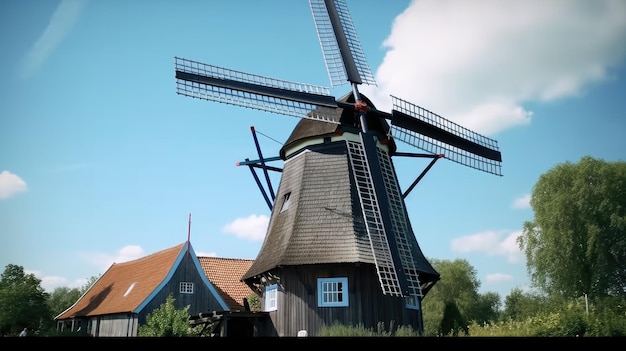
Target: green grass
(337, 329)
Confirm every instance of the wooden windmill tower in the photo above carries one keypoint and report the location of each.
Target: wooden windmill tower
(339, 246)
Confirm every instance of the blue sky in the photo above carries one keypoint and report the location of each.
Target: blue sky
(101, 161)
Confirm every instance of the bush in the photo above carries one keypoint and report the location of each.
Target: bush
(167, 321)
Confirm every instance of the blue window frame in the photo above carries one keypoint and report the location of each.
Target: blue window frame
(413, 302)
(271, 298)
(332, 292)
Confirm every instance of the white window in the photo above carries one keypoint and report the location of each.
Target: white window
(285, 205)
(271, 298)
(413, 302)
(332, 292)
(186, 288)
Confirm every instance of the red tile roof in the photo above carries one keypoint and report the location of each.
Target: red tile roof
(225, 275)
(124, 286)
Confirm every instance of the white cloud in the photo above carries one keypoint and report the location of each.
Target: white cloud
(252, 228)
(10, 184)
(102, 261)
(498, 277)
(522, 202)
(49, 283)
(61, 23)
(491, 243)
(128, 253)
(206, 254)
(478, 62)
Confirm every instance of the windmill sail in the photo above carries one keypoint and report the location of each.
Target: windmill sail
(411, 124)
(219, 84)
(430, 132)
(345, 61)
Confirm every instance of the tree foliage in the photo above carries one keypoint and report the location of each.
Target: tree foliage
(90, 281)
(62, 298)
(454, 301)
(166, 321)
(576, 244)
(487, 308)
(23, 302)
(254, 301)
(519, 305)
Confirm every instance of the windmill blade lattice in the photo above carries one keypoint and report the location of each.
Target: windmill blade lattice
(430, 132)
(343, 55)
(213, 83)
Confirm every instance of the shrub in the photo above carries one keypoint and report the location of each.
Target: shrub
(167, 321)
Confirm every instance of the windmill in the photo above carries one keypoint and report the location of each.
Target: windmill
(339, 203)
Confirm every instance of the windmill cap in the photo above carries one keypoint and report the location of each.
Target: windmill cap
(309, 128)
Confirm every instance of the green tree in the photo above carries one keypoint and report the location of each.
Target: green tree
(576, 244)
(454, 301)
(487, 308)
(166, 321)
(89, 283)
(62, 298)
(23, 302)
(452, 322)
(520, 305)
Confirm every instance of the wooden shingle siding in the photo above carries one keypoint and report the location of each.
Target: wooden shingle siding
(324, 221)
(297, 300)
